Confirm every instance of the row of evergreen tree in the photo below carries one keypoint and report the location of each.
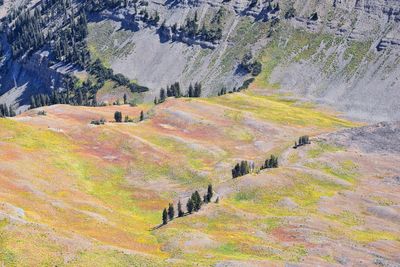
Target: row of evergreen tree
(6, 111)
(193, 204)
(242, 168)
(118, 117)
(175, 91)
(245, 167)
(244, 86)
(211, 32)
(270, 163)
(103, 74)
(74, 93)
(303, 140)
(194, 91)
(71, 94)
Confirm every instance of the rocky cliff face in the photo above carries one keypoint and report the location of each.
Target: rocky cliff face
(355, 65)
(339, 52)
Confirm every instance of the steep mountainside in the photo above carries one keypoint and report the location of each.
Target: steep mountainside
(343, 53)
(77, 194)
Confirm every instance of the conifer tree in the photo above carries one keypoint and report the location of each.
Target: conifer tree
(118, 116)
(197, 90)
(196, 201)
(33, 102)
(125, 99)
(141, 116)
(190, 93)
(162, 95)
(165, 217)
(180, 211)
(190, 206)
(171, 212)
(209, 193)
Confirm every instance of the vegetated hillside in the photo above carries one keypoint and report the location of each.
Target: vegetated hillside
(79, 194)
(342, 53)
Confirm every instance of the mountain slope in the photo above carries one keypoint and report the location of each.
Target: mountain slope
(78, 194)
(341, 53)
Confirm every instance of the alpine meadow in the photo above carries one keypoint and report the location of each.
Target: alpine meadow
(200, 133)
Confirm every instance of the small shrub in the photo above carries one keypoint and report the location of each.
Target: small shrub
(98, 122)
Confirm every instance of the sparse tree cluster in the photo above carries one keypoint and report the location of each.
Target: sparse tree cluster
(210, 32)
(74, 93)
(270, 163)
(6, 111)
(242, 168)
(290, 13)
(194, 91)
(100, 5)
(244, 86)
(103, 74)
(303, 140)
(213, 32)
(175, 91)
(254, 67)
(246, 167)
(223, 91)
(193, 204)
(118, 117)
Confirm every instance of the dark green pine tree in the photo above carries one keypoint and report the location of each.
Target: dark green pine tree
(33, 102)
(171, 211)
(177, 90)
(12, 112)
(196, 201)
(125, 99)
(197, 90)
(165, 217)
(180, 211)
(141, 116)
(162, 95)
(118, 116)
(190, 92)
(209, 193)
(190, 206)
